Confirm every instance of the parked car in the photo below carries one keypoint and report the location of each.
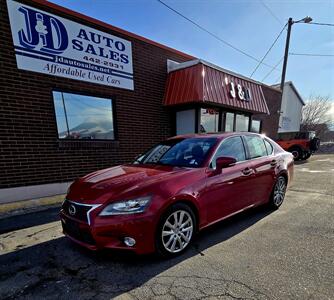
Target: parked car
(301, 144)
(175, 189)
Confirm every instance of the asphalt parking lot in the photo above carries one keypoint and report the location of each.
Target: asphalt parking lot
(286, 254)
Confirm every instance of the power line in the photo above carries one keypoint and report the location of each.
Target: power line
(265, 77)
(272, 45)
(310, 54)
(271, 12)
(213, 35)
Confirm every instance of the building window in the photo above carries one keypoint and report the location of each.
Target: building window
(209, 120)
(256, 126)
(185, 121)
(229, 122)
(83, 117)
(241, 122)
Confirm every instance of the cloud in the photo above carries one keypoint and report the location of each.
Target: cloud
(330, 113)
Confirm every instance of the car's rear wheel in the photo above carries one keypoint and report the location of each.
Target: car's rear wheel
(278, 194)
(175, 230)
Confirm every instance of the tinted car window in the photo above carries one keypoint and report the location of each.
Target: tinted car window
(232, 147)
(189, 152)
(269, 147)
(256, 146)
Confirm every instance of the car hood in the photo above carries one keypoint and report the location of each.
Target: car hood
(120, 181)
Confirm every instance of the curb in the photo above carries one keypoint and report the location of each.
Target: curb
(28, 206)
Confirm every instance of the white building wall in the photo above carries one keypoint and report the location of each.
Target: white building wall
(291, 110)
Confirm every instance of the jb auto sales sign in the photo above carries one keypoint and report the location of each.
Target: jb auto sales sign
(49, 44)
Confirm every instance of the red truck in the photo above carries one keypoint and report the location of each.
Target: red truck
(301, 144)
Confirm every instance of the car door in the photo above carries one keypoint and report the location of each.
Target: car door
(261, 156)
(227, 192)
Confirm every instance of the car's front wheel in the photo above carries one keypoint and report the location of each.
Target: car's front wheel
(278, 194)
(175, 230)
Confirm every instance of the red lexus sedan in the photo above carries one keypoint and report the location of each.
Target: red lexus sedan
(175, 189)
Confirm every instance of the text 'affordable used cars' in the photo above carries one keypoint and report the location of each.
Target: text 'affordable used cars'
(180, 186)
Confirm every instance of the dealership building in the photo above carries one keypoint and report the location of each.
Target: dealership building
(77, 95)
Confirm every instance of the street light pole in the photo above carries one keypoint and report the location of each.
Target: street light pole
(286, 54)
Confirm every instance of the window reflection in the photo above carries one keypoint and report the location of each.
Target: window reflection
(190, 152)
(229, 120)
(241, 122)
(232, 147)
(256, 146)
(209, 120)
(83, 117)
(256, 125)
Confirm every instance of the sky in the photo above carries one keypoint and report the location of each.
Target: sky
(249, 25)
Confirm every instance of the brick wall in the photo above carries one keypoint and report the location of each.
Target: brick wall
(270, 123)
(30, 152)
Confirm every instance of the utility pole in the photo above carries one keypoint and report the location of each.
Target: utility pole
(286, 54)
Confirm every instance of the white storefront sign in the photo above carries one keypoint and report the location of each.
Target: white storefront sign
(49, 44)
(235, 90)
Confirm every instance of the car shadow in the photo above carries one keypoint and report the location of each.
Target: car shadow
(230, 227)
(301, 162)
(30, 219)
(61, 269)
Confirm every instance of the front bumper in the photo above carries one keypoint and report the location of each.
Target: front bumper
(109, 232)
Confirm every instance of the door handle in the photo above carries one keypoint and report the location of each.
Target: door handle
(246, 172)
(273, 163)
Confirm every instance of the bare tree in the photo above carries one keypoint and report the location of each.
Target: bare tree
(315, 115)
(315, 111)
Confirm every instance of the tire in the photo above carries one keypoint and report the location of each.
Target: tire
(278, 193)
(315, 144)
(296, 152)
(306, 155)
(173, 238)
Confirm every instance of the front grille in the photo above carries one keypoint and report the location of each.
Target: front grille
(76, 210)
(72, 229)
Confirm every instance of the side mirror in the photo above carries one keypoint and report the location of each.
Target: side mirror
(224, 162)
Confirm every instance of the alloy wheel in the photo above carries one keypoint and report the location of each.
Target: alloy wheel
(279, 191)
(177, 231)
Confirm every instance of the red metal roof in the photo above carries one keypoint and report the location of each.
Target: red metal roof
(201, 82)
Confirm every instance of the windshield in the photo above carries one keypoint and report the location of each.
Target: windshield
(178, 152)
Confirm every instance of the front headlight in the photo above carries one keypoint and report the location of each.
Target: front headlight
(132, 206)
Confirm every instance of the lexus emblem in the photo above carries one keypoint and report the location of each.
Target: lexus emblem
(72, 210)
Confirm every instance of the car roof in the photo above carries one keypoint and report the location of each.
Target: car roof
(218, 135)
